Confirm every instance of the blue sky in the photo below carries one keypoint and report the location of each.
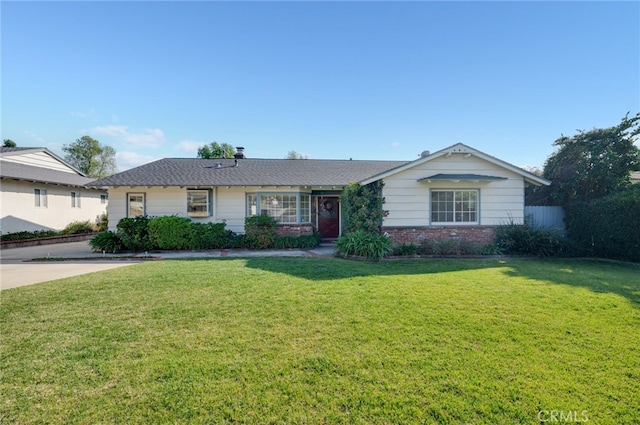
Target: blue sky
(361, 80)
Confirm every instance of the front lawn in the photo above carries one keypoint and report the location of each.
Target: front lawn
(317, 340)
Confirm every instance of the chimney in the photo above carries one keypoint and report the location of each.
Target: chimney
(239, 153)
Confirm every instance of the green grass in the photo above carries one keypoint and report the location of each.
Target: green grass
(312, 340)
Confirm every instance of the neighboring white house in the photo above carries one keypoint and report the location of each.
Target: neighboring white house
(41, 191)
(457, 192)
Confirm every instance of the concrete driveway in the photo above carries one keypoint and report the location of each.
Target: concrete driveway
(14, 271)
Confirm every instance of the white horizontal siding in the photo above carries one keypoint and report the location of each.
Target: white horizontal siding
(19, 212)
(117, 208)
(39, 159)
(229, 204)
(230, 207)
(407, 200)
(158, 202)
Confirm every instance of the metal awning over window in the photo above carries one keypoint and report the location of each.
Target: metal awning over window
(460, 178)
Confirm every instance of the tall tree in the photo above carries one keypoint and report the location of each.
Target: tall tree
(8, 143)
(91, 157)
(216, 150)
(592, 164)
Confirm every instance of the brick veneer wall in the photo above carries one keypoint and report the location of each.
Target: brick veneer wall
(295, 229)
(415, 235)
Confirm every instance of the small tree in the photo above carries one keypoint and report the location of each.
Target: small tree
(216, 150)
(8, 143)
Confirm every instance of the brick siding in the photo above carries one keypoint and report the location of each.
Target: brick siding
(295, 229)
(415, 235)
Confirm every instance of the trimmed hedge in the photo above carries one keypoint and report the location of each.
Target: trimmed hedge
(171, 232)
(260, 231)
(134, 233)
(608, 227)
(180, 233)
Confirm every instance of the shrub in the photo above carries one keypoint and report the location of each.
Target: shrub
(212, 236)
(236, 241)
(79, 227)
(363, 244)
(407, 249)
(18, 236)
(134, 233)
(450, 247)
(260, 231)
(102, 221)
(300, 242)
(170, 232)
(523, 239)
(106, 242)
(608, 227)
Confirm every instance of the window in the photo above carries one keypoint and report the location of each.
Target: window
(103, 199)
(198, 203)
(40, 196)
(75, 199)
(284, 207)
(454, 206)
(135, 204)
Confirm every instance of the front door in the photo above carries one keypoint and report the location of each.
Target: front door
(328, 209)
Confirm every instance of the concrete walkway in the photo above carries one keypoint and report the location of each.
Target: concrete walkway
(18, 268)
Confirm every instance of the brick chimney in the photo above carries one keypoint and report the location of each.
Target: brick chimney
(239, 153)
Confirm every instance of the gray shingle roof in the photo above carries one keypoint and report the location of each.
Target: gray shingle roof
(18, 171)
(5, 149)
(249, 172)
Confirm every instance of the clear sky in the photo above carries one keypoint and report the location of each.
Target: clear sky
(361, 80)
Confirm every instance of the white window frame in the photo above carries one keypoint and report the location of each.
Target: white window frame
(144, 203)
(458, 211)
(40, 198)
(256, 202)
(208, 201)
(75, 199)
(103, 198)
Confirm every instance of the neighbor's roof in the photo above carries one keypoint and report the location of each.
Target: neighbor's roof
(6, 152)
(7, 149)
(16, 171)
(249, 172)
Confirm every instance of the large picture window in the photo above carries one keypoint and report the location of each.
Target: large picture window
(135, 204)
(454, 206)
(284, 207)
(198, 203)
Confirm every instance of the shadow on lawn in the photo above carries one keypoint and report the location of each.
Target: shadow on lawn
(599, 276)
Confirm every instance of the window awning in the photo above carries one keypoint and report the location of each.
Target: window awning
(460, 178)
